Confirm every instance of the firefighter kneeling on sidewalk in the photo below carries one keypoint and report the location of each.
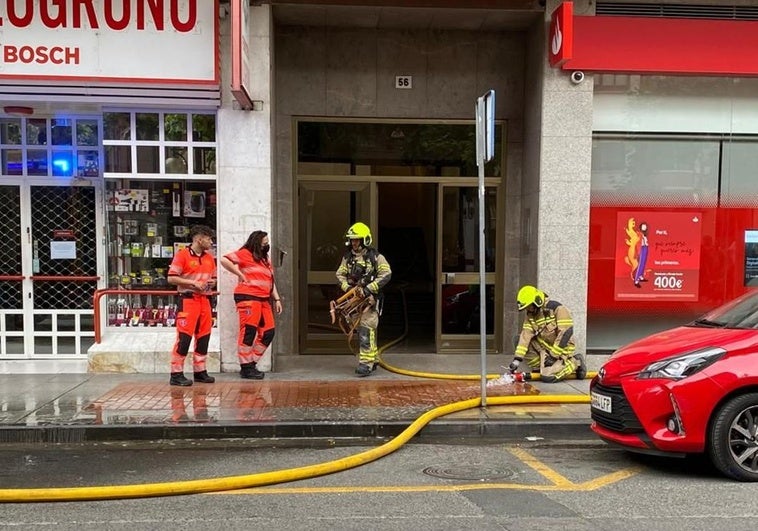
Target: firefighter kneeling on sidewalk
(546, 341)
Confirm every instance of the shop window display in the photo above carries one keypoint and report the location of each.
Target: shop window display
(160, 180)
(148, 222)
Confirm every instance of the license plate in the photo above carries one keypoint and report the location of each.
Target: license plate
(601, 402)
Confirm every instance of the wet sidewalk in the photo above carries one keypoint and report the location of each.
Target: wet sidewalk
(306, 396)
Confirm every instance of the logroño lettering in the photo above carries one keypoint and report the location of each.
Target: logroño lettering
(116, 15)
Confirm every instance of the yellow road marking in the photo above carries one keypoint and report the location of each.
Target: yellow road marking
(594, 484)
(541, 468)
(558, 483)
(608, 479)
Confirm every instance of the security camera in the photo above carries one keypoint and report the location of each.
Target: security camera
(577, 77)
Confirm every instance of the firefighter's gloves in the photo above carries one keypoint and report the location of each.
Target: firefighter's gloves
(365, 292)
(514, 364)
(549, 359)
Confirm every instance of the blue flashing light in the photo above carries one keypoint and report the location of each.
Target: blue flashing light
(63, 164)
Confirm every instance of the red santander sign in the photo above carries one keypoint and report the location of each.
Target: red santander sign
(561, 34)
(107, 40)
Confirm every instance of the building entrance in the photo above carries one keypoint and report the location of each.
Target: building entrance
(428, 233)
(415, 186)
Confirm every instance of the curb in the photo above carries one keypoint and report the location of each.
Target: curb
(438, 430)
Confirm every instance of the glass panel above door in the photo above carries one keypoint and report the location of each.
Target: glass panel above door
(396, 149)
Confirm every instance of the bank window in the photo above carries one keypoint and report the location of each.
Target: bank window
(655, 171)
(739, 186)
(50, 147)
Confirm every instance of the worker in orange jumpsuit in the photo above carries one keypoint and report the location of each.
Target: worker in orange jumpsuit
(193, 272)
(253, 296)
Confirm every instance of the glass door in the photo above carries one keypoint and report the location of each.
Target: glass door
(325, 211)
(49, 270)
(458, 268)
(63, 237)
(11, 274)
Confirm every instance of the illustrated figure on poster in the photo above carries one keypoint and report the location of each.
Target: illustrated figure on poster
(639, 275)
(633, 238)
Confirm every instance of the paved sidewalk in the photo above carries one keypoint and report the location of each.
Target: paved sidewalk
(307, 396)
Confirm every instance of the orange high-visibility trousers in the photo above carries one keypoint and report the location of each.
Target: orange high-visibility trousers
(256, 329)
(193, 319)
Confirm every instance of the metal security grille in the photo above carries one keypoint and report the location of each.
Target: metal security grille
(64, 213)
(10, 251)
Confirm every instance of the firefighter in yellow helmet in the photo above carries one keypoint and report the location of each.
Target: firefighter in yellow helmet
(546, 341)
(363, 266)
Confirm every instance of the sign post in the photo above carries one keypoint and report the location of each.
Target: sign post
(485, 152)
(240, 52)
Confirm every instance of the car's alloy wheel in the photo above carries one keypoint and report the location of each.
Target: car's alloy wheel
(733, 438)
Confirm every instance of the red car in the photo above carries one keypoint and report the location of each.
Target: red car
(692, 389)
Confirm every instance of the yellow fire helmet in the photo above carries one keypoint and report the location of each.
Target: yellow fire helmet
(529, 295)
(358, 231)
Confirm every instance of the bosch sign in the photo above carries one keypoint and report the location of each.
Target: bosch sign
(41, 54)
(109, 40)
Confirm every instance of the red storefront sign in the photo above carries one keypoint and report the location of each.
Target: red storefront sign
(240, 52)
(657, 255)
(561, 42)
(657, 45)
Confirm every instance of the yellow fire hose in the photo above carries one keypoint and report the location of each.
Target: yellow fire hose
(112, 492)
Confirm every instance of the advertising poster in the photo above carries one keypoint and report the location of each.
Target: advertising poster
(194, 204)
(657, 256)
(751, 258)
(129, 201)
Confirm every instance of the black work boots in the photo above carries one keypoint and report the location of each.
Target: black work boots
(204, 377)
(249, 371)
(581, 370)
(364, 369)
(178, 378)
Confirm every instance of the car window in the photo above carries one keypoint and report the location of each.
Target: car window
(739, 313)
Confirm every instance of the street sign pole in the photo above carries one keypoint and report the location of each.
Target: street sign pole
(485, 152)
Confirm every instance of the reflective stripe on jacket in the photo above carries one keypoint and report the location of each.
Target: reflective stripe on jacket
(552, 328)
(377, 272)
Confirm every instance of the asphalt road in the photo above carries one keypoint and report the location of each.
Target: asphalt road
(533, 485)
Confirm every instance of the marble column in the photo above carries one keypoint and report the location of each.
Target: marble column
(564, 183)
(245, 166)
